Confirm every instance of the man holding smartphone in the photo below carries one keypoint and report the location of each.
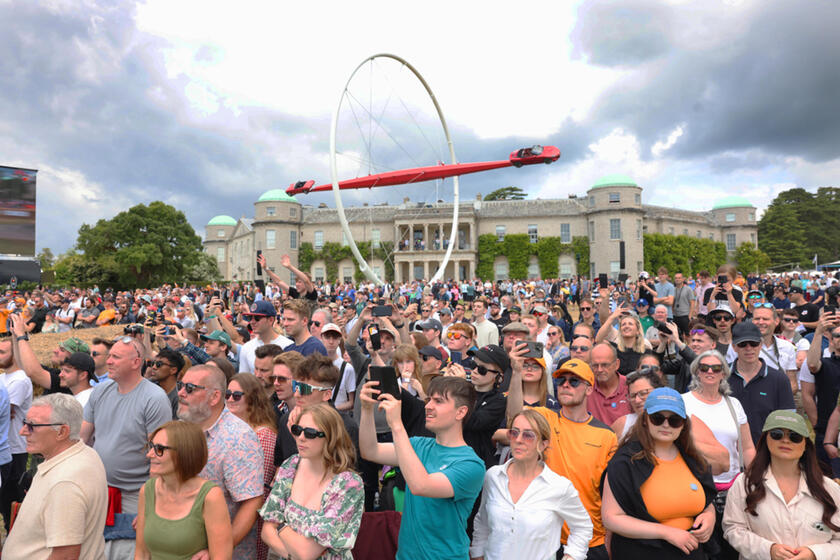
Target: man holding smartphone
(443, 474)
(826, 372)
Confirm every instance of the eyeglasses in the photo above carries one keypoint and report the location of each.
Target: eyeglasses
(158, 448)
(750, 343)
(484, 371)
(532, 366)
(697, 331)
(455, 335)
(527, 435)
(278, 379)
(236, 395)
(778, 434)
(30, 425)
(425, 310)
(576, 348)
(639, 394)
(573, 381)
(714, 368)
(553, 333)
(657, 419)
(188, 387)
(763, 305)
(308, 433)
(307, 389)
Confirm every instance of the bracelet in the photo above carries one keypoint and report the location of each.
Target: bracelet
(212, 316)
(829, 443)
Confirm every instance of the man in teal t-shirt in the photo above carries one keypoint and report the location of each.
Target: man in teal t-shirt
(443, 475)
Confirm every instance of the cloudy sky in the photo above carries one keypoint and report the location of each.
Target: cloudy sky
(207, 104)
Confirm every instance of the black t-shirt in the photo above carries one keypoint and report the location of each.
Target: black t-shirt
(38, 317)
(737, 295)
(294, 293)
(55, 382)
(808, 313)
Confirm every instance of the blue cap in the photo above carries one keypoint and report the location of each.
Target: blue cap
(665, 398)
(263, 307)
(642, 301)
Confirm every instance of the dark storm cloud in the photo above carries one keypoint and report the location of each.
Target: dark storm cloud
(770, 82)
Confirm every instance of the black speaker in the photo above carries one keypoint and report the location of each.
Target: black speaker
(621, 255)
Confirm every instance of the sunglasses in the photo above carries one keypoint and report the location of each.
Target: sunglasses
(657, 419)
(455, 335)
(750, 343)
(553, 334)
(237, 395)
(697, 331)
(790, 320)
(158, 448)
(724, 318)
(188, 387)
(314, 323)
(574, 382)
(308, 433)
(278, 379)
(306, 389)
(527, 435)
(484, 371)
(777, 434)
(763, 306)
(576, 348)
(158, 363)
(716, 368)
(586, 309)
(30, 425)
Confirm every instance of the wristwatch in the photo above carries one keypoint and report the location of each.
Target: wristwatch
(23, 337)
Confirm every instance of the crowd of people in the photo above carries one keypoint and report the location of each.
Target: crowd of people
(569, 419)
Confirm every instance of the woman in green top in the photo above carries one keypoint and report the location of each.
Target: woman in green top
(180, 514)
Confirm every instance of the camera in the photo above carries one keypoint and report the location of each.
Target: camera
(662, 327)
(133, 329)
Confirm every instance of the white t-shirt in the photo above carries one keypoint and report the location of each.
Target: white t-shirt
(785, 360)
(718, 418)
(805, 373)
(347, 384)
(19, 388)
(248, 351)
(83, 396)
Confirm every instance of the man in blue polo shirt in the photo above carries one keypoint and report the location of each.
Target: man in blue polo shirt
(760, 388)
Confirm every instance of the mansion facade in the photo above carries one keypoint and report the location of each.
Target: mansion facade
(611, 215)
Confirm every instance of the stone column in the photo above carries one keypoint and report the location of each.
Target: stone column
(426, 269)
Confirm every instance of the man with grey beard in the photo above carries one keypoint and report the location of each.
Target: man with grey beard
(234, 455)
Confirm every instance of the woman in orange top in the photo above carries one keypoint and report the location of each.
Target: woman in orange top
(658, 490)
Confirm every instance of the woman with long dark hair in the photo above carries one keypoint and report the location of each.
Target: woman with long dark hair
(658, 490)
(783, 507)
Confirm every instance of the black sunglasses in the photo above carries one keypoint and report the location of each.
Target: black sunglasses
(778, 434)
(189, 387)
(484, 371)
(716, 368)
(576, 348)
(308, 433)
(158, 363)
(657, 419)
(158, 448)
(750, 343)
(572, 380)
(237, 395)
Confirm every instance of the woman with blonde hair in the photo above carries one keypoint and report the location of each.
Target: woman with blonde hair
(245, 398)
(178, 513)
(407, 362)
(524, 503)
(628, 340)
(315, 507)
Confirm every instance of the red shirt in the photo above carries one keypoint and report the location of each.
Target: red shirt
(609, 408)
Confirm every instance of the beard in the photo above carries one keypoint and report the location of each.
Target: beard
(196, 413)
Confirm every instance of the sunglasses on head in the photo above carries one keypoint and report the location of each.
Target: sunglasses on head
(307, 389)
(308, 433)
(657, 419)
(579, 348)
(750, 343)
(714, 368)
(527, 435)
(188, 387)
(573, 381)
(236, 395)
(484, 371)
(778, 433)
(158, 448)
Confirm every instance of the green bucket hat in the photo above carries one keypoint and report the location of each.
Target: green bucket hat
(787, 419)
(74, 345)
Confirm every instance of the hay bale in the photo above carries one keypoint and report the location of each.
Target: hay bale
(43, 344)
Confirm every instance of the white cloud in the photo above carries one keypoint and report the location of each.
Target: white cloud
(661, 147)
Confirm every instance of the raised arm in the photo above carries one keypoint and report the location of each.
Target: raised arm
(307, 282)
(26, 357)
(271, 274)
(370, 448)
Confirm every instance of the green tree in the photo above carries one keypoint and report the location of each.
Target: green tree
(205, 271)
(142, 246)
(46, 258)
(781, 235)
(506, 193)
(751, 259)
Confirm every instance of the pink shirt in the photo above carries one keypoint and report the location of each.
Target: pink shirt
(609, 408)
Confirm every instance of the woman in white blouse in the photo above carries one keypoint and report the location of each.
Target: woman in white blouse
(783, 507)
(524, 503)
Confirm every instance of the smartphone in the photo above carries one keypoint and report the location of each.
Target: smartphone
(259, 267)
(387, 377)
(455, 357)
(375, 340)
(723, 279)
(830, 309)
(602, 280)
(535, 349)
(381, 310)
(217, 294)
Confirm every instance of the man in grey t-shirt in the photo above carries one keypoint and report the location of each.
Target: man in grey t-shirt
(119, 416)
(685, 303)
(664, 291)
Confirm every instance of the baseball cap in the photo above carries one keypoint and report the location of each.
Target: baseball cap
(788, 420)
(431, 324)
(431, 351)
(219, 335)
(264, 308)
(665, 398)
(644, 274)
(723, 308)
(516, 326)
(540, 361)
(641, 301)
(515, 309)
(795, 290)
(331, 327)
(73, 345)
(81, 361)
(445, 311)
(745, 332)
(492, 354)
(578, 368)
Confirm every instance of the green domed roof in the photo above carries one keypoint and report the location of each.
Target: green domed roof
(732, 202)
(276, 195)
(614, 180)
(221, 221)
